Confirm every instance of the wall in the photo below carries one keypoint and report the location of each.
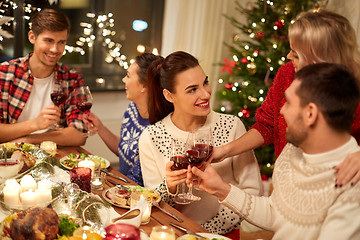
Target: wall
(109, 107)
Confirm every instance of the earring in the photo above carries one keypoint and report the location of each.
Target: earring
(142, 90)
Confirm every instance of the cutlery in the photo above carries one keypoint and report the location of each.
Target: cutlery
(115, 183)
(186, 230)
(114, 175)
(168, 213)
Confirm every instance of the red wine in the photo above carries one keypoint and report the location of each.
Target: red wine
(198, 154)
(58, 98)
(84, 106)
(180, 162)
(195, 157)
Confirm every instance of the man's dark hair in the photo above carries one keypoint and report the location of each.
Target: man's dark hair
(50, 20)
(333, 89)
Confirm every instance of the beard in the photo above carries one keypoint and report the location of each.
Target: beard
(297, 133)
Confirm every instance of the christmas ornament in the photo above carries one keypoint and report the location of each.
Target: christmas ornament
(229, 86)
(251, 67)
(245, 112)
(279, 24)
(260, 35)
(244, 61)
(228, 66)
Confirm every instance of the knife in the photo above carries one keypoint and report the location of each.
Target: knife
(118, 185)
(114, 175)
(168, 213)
(186, 230)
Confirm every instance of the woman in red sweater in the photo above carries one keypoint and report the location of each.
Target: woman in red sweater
(314, 37)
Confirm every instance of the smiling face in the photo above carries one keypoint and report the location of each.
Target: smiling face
(48, 47)
(134, 89)
(293, 113)
(191, 96)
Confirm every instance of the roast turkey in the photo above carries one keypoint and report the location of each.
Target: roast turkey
(25, 158)
(35, 224)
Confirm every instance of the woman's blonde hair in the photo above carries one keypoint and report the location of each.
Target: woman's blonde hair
(324, 36)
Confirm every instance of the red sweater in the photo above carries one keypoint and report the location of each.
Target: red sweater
(271, 124)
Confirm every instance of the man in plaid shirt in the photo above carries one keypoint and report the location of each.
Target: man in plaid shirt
(26, 110)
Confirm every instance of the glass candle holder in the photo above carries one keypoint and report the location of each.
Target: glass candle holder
(162, 233)
(49, 147)
(122, 231)
(139, 201)
(82, 177)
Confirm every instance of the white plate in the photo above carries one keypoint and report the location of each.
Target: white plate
(208, 235)
(107, 163)
(105, 195)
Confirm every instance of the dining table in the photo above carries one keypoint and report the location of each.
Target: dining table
(158, 217)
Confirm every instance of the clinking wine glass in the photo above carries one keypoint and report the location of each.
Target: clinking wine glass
(180, 162)
(198, 149)
(83, 101)
(58, 97)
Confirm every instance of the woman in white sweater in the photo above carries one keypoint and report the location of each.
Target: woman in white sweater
(179, 96)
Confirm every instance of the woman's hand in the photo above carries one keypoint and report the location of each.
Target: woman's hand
(218, 154)
(93, 122)
(348, 170)
(173, 178)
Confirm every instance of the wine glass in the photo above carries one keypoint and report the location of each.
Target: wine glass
(83, 101)
(180, 162)
(198, 149)
(58, 97)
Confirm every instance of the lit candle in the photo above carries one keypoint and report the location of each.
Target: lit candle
(43, 196)
(45, 183)
(162, 233)
(28, 198)
(88, 164)
(27, 182)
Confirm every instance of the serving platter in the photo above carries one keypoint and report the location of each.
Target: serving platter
(125, 203)
(29, 151)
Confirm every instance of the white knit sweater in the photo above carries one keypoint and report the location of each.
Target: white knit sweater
(305, 203)
(241, 171)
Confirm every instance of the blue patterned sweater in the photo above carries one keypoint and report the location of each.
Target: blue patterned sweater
(131, 128)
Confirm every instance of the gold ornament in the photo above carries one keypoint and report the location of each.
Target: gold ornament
(251, 67)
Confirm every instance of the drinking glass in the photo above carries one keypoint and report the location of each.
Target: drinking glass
(83, 101)
(198, 149)
(180, 162)
(82, 177)
(58, 97)
(162, 233)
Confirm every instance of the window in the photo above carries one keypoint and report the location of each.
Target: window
(103, 37)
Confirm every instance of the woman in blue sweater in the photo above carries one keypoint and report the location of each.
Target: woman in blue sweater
(134, 121)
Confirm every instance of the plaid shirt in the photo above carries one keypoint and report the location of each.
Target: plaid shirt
(16, 83)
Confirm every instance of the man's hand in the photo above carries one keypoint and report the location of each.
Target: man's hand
(173, 178)
(49, 115)
(348, 170)
(208, 180)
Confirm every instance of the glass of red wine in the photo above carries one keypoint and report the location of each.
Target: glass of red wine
(83, 101)
(58, 97)
(180, 162)
(198, 149)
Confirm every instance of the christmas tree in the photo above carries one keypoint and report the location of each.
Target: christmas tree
(258, 50)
